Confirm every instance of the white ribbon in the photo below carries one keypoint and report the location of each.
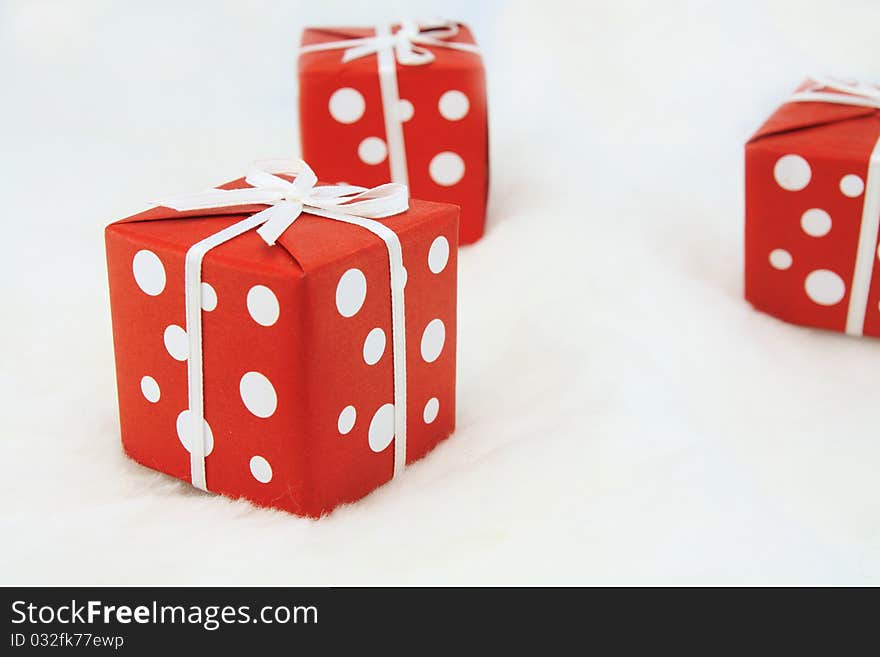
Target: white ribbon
(408, 46)
(406, 43)
(286, 200)
(827, 90)
(839, 92)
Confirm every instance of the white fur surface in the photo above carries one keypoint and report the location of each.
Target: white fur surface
(624, 416)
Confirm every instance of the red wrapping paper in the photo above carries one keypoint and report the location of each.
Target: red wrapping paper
(806, 183)
(286, 350)
(446, 136)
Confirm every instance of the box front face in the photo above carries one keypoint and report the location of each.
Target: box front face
(252, 386)
(444, 119)
(447, 144)
(805, 193)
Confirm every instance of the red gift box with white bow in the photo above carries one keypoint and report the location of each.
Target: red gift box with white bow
(403, 103)
(813, 209)
(300, 374)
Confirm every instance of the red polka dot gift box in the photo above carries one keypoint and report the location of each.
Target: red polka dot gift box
(405, 103)
(813, 209)
(284, 341)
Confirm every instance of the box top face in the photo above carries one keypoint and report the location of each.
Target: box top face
(820, 116)
(329, 61)
(310, 243)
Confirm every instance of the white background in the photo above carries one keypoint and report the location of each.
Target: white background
(624, 416)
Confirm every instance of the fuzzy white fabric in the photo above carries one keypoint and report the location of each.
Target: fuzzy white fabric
(624, 416)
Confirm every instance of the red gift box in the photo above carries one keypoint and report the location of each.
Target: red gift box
(813, 209)
(403, 103)
(296, 367)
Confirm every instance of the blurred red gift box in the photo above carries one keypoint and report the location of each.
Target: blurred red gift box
(813, 209)
(403, 103)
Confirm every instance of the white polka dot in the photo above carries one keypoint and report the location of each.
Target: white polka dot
(150, 388)
(432, 340)
(149, 273)
(185, 432)
(405, 110)
(446, 168)
(381, 431)
(852, 186)
(351, 291)
(258, 394)
(374, 346)
(346, 420)
(372, 150)
(176, 342)
(431, 410)
(816, 222)
(438, 255)
(262, 304)
(260, 469)
(825, 287)
(792, 172)
(209, 297)
(453, 105)
(347, 105)
(780, 259)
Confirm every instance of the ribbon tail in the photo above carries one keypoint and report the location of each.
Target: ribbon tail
(359, 51)
(376, 203)
(276, 219)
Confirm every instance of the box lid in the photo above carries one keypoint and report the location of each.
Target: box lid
(802, 115)
(311, 241)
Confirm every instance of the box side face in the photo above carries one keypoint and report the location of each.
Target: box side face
(251, 359)
(443, 110)
(447, 137)
(802, 228)
(350, 365)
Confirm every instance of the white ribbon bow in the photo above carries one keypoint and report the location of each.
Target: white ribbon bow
(827, 90)
(841, 93)
(406, 42)
(286, 200)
